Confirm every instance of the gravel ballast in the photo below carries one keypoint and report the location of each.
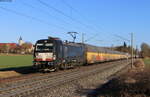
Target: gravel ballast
(80, 87)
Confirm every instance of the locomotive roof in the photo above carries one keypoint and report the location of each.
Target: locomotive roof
(47, 40)
(42, 40)
(72, 44)
(88, 47)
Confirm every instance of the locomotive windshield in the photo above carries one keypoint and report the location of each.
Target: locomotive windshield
(43, 47)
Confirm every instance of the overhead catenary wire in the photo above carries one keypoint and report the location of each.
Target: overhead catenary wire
(73, 19)
(94, 25)
(31, 17)
(48, 14)
(64, 14)
(75, 10)
(46, 22)
(122, 38)
(81, 15)
(68, 5)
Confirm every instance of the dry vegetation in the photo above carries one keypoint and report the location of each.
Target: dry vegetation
(135, 83)
(7, 74)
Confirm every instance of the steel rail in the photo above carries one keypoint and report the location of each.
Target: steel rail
(52, 81)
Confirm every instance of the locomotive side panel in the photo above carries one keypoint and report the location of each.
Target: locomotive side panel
(73, 54)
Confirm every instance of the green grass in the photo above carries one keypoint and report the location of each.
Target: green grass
(147, 62)
(12, 61)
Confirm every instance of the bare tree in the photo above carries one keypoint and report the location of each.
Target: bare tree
(26, 47)
(145, 50)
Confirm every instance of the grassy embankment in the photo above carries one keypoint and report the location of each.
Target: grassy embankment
(147, 62)
(134, 83)
(14, 61)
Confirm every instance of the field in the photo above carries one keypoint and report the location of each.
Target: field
(13, 61)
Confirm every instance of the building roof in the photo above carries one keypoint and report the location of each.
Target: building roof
(12, 45)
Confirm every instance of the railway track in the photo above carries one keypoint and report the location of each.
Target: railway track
(35, 84)
(25, 78)
(38, 76)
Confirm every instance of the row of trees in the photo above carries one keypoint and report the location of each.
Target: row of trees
(145, 50)
(25, 48)
(125, 48)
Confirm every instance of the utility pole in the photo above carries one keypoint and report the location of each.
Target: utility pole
(73, 34)
(112, 46)
(82, 37)
(131, 50)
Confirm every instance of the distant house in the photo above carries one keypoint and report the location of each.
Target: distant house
(20, 47)
(10, 45)
(7, 47)
(28, 47)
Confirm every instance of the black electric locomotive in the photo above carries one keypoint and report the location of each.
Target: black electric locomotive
(54, 54)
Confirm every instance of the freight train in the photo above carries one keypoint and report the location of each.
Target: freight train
(54, 54)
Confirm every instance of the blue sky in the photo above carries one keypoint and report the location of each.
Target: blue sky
(99, 20)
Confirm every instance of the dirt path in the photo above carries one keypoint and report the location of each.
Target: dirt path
(7, 74)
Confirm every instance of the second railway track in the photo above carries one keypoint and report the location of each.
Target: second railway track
(35, 84)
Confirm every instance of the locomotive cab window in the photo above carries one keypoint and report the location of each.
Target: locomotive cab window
(44, 47)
